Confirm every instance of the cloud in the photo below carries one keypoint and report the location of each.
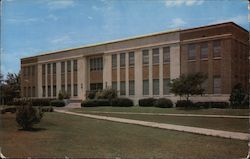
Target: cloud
(240, 19)
(90, 18)
(22, 20)
(177, 22)
(60, 4)
(53, 17)
(172, 3)
(61, 40)
(95, 8)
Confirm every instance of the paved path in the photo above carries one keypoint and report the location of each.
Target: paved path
(203, 131)
(168, 114)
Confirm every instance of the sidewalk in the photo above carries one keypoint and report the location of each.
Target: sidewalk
(203, 131)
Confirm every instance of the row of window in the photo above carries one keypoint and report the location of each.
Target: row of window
(54, 93)
(204, 50)
(96, 64)
(53, 65)
(29, 91)
(29, 70)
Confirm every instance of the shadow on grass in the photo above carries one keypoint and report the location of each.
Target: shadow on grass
(32, 129)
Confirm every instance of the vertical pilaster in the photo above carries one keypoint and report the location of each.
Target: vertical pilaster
(46, 80)
(58, 78)
(66, 77)
(51, 80)
(138, 74)
(175, 63)
(72, 79)
(150, 72)
(118, 73)
(82, 77)
(39, 81)
(161, 71)
(107, 71)
(127, 73)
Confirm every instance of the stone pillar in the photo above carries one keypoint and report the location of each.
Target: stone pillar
(161, 71)
(39, 81)
(138, 74)
(150, 64)
(127, 73)
(175, 63)
(72, 80)
(58, 78)
(107, 71)
(46, 80)
(118, 73)
(65, 77)
(51, 80)
(82, 77)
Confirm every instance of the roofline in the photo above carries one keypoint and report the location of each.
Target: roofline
(104, 43)
(213, 25)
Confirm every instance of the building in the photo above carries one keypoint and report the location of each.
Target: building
(141, 67)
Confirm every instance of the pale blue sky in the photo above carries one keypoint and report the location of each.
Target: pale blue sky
(31, 27)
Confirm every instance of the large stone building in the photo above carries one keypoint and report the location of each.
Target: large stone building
(142, 66)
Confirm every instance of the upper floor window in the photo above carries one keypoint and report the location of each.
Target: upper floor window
(156, 56)
(191, 52)
(75, 65)
(114, 61)
(96, 64)
(43, 69)
(204, 50)
(68, 66)
(145, 57)
(33, 70)
(48, 68)
(63, 67)
(28, 70)
(216, 48)
(122, 60)
(131, 59)
(166, 54)
(54, 68)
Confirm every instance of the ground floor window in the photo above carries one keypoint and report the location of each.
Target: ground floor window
(145, 87)
(75, 90)
(33, 91)
(166, 86)
(156, 87)
(96, 86)
(69, 90)
(44, 91)
(114, 85)
(49, 91)
(204, 85)
(217, 85)
(132, 87)
(54, 90)
(122, 88)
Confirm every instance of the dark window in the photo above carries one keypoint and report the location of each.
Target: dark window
(191, 52)
(204, 85)
(43, 69)
(96, 64)
(122, 59)
(132, 87)
(114, 61)
(24, 91)
(217, 85)
(156, 56)
(28, 72)
(114, 85)
(96, 86)
(145, 87)
(204, 50)
(145, 57)
(54, 68)
(122, 88)
(29, 92)
(48, 68)
(156, 87)
(54, 90)
(131, 59)
(49, 91)
(216, 49)
(166, 86)
(69, 90)
(33, 91)
(63, 88)
(44, 91)
(62, 67)
(75, 65)
(75, 90)
(166, 54)
(33, 70)
(68, 66)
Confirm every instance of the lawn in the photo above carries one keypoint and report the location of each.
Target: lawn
(228, 124)
(73, 136)
(137, 109)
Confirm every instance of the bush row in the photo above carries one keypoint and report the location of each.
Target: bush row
(161, 102)
(116, 102)
(38, 102)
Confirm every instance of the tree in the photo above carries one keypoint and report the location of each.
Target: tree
(188, 85)
(237, 96)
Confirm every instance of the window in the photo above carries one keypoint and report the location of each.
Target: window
(43, 69)
(191, 52)
(217, 85)
(62, 67)
(122, 59)
(24, 91)
(54, 68)
(96, 86)
(131, 59)
(75, 90)
(156, 87)
(145, 57)
(166, 86)
(63, 88)
(75, 65)
(204, 50)
(49, 91)
(29, 91)
(69, 90)
(216, 49)
(204, 85)
(68, 66)
(122, 88)
(156, 56)
(132, 87)
(96, 64)
(54, 90)
(166, 54)
(33, 91)
(48, 68)
(145, 87)
(33, 70)
(114, 85)
(28, 70)
(44, 91)
(114, 61)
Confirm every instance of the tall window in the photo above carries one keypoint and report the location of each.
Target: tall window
(96, 64)
(33, 91)
(43, 69)
(54, 90)
(166, 86)
(156, 56)
(122, 88)
(75, 90)
(33, 70)
(122, 59)
(131, 59)
(49, 91)
(216, 49)
(48, 68)
(204, 50)
(114, 85)
(63, 88)
(191, 52)
(145, 57)
(69, 89)
(217, 85)
(63, 67)
(44, 91)
(75, 65)
(145, 87)
(156, 87)
(96, 86)
(132, 87)
(166, 54)
(29, 91)
(204, 85)
(114, 61)
(54, 68)
(68, 66)
(28, 71)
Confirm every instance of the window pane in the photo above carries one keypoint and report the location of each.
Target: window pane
(204, 50)
(204, 85)
(63, 88)
(54, 68)
(114, 61)
(33, 92)
(145, 87)
(217, 85)
(48, 68)
(75, 65)
(54, 90)
(156, 56)
(69, 89)
(166, 86)
(63, 67)
(122, 60)
(114, 85)
(44, 93)
(75, 90)
(43, 69)
(131, 59)
(216, 49)
(191, 52)
(49, 91)
(131, 87)
(33, 70)
(155, 87)
(145, 57)
(166, 54)
(68, 66)
(122, 88)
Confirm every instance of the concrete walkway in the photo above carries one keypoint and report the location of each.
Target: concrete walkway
(195, 130)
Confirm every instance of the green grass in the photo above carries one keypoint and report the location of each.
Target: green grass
(168, 110)
(74, 136)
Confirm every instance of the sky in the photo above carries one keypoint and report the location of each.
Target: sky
(32, 27)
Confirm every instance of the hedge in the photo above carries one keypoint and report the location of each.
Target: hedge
(57, 103)
(34, 102)
(185, 104)
(147, 102)
(212, 104)
(163, 103)
(121, 102)
(95, 102)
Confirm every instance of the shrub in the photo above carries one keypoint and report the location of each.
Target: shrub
(202, 105)
(237, 95)
(163, 103)
(121, 102)
(90, 95)
(47, 109)
(33, 102)
(95, 103)
(57, 103)
(8, 109)
(147, 102)
(212, 104)
(27, 116)
(184, 104)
